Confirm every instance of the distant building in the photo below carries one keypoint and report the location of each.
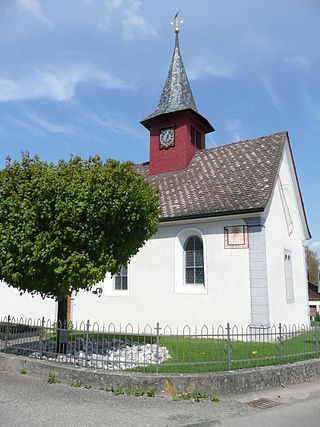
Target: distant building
(314, 299)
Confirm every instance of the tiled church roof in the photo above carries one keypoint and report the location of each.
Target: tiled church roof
(232, 178)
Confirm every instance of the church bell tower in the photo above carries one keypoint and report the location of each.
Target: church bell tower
(176, 128)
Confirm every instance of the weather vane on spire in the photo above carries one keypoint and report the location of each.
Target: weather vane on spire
(177, 22)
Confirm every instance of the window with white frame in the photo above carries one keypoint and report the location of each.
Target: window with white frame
(194, 266)
(288, 275)
(121, 280)
(190, 267)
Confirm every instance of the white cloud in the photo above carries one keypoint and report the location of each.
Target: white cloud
(110, 6)
(34, 8)
(236, 137)
(22, 124)
(59, 83)
(132, 21)
(298, 60)
(272, 93)
(115, 124)
(209, 64)
(210, 141)
(3, 131)
(49, 126)
(315, 245)
(233, 124)
(317, 114)
(135, 24)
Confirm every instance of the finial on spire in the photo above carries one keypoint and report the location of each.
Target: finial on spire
(176, 21)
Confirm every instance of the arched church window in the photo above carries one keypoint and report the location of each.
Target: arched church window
(194, 268)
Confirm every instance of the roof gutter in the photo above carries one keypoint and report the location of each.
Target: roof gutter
(211, 214)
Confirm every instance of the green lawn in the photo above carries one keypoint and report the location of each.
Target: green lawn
(205, 355)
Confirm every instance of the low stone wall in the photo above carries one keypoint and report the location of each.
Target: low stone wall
(245, 380)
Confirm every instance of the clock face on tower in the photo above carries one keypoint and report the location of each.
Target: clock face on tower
(167, 138)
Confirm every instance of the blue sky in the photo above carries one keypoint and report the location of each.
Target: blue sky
(77, 76)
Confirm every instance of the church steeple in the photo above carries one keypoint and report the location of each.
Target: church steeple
(176, 93)
(176, 128)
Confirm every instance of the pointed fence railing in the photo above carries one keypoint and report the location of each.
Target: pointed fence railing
(158, 348)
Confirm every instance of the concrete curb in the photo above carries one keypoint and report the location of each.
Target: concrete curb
(241, 381)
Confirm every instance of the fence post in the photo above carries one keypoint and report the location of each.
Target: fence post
(280, 343)
(87, 340)
(7, 334)
(157, 328)
(41, 337)
(317, 342)
(229, 346)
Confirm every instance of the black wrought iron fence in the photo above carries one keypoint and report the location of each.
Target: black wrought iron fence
(158, 348)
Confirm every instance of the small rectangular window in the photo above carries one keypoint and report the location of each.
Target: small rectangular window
(198, 139)
(121, 280)
(288, 275)
(193, 137)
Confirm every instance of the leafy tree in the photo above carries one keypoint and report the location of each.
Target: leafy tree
(64, 226)
(312, 266)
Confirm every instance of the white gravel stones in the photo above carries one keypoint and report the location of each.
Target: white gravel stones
(128, 357)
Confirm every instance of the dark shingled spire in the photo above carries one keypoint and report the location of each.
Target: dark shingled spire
(176, 94)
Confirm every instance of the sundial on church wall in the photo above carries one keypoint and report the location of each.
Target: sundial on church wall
(236, 237)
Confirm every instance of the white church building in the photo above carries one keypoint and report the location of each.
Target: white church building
(230, 242)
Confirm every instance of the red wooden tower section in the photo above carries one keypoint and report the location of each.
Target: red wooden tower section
(176, 128)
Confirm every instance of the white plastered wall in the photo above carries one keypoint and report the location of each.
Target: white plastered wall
(277, 240)
(153, 295)
(24, 306)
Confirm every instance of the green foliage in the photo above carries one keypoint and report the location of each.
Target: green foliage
(118, 391)
(182, 396)
(187, 396)
(51, 379)
(76, 384)
(62, 227)
(150, 393)
(23, 371)
(138, 393)
(312, 266)
(87, 386)
(130, 392)
(198, 396)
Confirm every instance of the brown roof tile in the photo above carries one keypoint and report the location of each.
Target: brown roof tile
(232, 178)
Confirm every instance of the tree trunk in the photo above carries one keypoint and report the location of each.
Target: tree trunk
(62, 334)
(62, 313)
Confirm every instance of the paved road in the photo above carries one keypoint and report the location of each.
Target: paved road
(26, 401)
